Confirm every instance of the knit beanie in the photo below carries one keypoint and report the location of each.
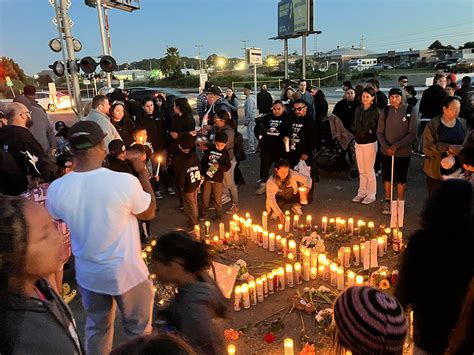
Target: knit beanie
(369, 321)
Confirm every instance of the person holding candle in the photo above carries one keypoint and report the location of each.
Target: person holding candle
(368, 321)
(445, 239)
(122, 123)
(365, 129)
(115, 160)
(188, 177)
(282, 189)
(179, 259)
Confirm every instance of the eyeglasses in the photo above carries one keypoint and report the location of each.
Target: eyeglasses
(299, 108)
(405, 81)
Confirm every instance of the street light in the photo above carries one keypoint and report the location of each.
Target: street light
(221, 62)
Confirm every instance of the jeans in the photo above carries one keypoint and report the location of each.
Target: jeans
(229, 183)
(190, 205)
(135, 306)
(252, 140)
(365, 156)
(215, 188)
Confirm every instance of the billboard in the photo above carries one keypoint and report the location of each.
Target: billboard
(294, 16)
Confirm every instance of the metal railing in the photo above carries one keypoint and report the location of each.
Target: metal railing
(280, 80)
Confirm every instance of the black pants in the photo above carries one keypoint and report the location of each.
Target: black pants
(267, 159)
(238, 177)
(283, 201)
(433, 184)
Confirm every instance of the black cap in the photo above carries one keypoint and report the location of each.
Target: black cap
(116, 147)
(248, 86)
(221, 137)
(395, 91)
(64, 160)
(213, 89)
(186, 141)
(85, 135)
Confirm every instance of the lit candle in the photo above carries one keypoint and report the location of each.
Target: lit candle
(254, 233)
(324, 224)
(260, 236)
(356, 250)
(265, 240)
(359, 280)
(373, 253)
(340, 278)
(385, 242)
(327, 271)
(287, 223)
(306, 270)
(371, 227)
(245, 296)
(270, 283)
(289, 275)
(303, 195)
(360, 224)
(247, 215)
(265, 285)
(296, 220)
(322, 259)
(284, 247)
(231, 349)
(350, 222)
(343, 226)
(236, 234)
(141, 139)
(252, 292)
(314, 273)
(275, 279)
(221, 230)
(158, 166)
(340, 256)
(288, 346)
(215, 240)
(280, 227)
(320, 271)
(297, 268)
(333, 269)
(287, 213)
(347, 256)
(291, 256)
(259, 283)
(350, 278)
(207, 228)
(271, 242)
(309, 222)
(278, 243)
(281, 278)
(292, 246)
(338, 224)
(380, 245)
(265, 220)
(237, 298)
(197, 231)
(248, 226)
(313, 258)
(332, 225)
(366, 259)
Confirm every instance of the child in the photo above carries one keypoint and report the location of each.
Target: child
(188, 177)
(115, 160)
(213, 165)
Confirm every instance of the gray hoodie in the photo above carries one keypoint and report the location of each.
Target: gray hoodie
(193, 315)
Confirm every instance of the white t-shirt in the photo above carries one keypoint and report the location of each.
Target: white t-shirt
(99, 206)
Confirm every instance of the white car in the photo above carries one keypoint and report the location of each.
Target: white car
(61, 101)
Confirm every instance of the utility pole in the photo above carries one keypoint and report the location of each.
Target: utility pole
(244, 41)
(105, 50)
(71, 55)
(199, 46)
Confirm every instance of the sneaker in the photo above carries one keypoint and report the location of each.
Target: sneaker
(159, 196)
(274, 216)
(358, 198)
(250, 151)
(226, 199)
(171, 191)
(203, 216)
(368, 200)
(261, 189)
(234, 208)
(386, 207)
(297, 209)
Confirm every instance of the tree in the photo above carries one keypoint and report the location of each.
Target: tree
(170, 65)
(468, 45)
(438, 45)
(8, 67)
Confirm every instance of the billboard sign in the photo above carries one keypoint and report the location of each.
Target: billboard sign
(294, 16)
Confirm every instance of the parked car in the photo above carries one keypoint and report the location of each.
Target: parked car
(446, 65)
(139, 93)
(464, 66)
(405, 65)
(382, 66)
(60, 102)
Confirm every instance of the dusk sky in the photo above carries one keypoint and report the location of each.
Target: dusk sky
(26, 27)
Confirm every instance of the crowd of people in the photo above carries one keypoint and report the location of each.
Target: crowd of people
(101, 179)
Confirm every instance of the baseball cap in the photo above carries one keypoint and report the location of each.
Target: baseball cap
(214, 89)
(85, 135)
(116, 147)
(186, 141)
(395, 91)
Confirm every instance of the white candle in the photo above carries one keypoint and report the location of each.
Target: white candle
(385, 242)
(291, 256)
(340, 278)
(278, 243)
(271, 242)
(327, 271)
(259, 283)
(281, 278)
(236, 234)
(380, 243)
(347, 257)
(360, 226)
(287, 224)
(367, 255)
(356, 250)
(313, 258)
(197, 231)
(306, 270)
(237, 298)
(371, 228)
(338, 224)
(289, 275)
(231, 349)
(309, 222)
(284, 247)
(265, 285)
(373, 253)
(297, 268)
(292, 246)
(265, 240)
(324, 224)
(350, 222)
(322, 259)
(296, 221)
(270, 283)
(288, 346)
(252, 292)
(359, 281)
(158, 166)
(314, 273)
(207, 228)
(343, 226)
(332, 224)
(254, 233)
(245, 296)
(221, 230)
(280, 228)
(350, 278)
(215, 240)
(320, 271)
(333, 269)
(265, 220)
(260, 236)
(340, 256)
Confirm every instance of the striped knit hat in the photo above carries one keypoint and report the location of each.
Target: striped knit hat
(369, 321)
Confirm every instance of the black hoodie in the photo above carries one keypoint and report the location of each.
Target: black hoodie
(302, 135)
(220, 158)
(186, 170)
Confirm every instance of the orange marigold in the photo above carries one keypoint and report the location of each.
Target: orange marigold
(308, 349)
(384, 284)
(232, 334)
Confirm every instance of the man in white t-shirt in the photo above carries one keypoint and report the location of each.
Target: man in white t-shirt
(101, 208)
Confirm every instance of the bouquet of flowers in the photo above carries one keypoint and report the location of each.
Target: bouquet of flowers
(243, 274)
(313, 242)
(383, 278)
(313, 300)
(324, 318)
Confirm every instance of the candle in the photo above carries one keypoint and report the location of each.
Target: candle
(287, 224)
(320, 271)
(259, 283)
(356, 250)
(158, 166)
(280, 227)
(371, 227)
(275, 279)
(247, 227)
(236, 234)
(281, 278)
(260, 236)
(284, 247)
(237, 298)
(265, 220)
(288, 346)
(216, 240)
(265, 240)
(313, 258)
(292, 246)
(245, 296)
(373, 253)
(350, 222)
(254, 233)
(270, 283)
(350, 278)
(314, 273)
(347, 256)
(252, 292)
(380, 246)
(303, 195)
(340, 256)
(366, 259)
(306, 270)
(265, 285)
(231, 349)
(287, 213)
(221, 230)
(297, 268)
(343, 226)
(322, 259)
(333, 269)
(360, 224)
(338, 224)
(327, 271)
(271, 242)
(359, 280)
(296, 220)
(291, 256)
(141, 139)
(278, 243)
(324, 224)
(332, 225)
(197, 231)
(340, 278)
(207, 228)
(385, 242)
(309, 222)
(289, 275)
